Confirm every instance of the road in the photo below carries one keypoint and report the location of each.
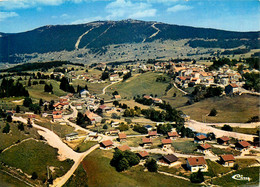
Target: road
(62, 180)
(64, 151)
(53, 140)
(104, 89)
(240, 125)
(205, 128)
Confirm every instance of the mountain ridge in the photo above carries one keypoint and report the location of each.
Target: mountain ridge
(99, 34)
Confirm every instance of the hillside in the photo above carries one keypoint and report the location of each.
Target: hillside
(96, 38)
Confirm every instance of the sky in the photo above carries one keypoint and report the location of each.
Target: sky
(235, 15)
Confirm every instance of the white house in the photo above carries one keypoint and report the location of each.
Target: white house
(196, 163)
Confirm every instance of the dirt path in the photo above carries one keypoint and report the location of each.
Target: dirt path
(203, 127)
(171, 175)
(62, 180)
(104, 89)
(53, 140)
(174, 84)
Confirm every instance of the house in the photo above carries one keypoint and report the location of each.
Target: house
(224, 140)
(124, 148)
(152, 133)
(242, 145)
(157, 100)
(231, 89)
(117, 97)
(173, 135)
(196, 163)
(200, 139)
(185, 117)
(104, 108)
(84, 93)
(94, 118)
(227, 160)
(93, 135)
(57, 118)
(122, 137)
(71, 136)
(107, 144)
(166, 143)
(204, 148)
(143, 154)
(114, 77)
(113, 132)
(58, 112)
(147, 142)
(148, 127)
(168, 160)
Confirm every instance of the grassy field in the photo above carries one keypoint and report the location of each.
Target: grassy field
(219, 151)
(185, 146)
(178, 101)
(230, 109)
(215, 169)
(100, 173)
(60, 130)
(79, 178)
(228, 181)
(244, 163)
(37, 91)
(15, 135)
(9, 181)
(139, 85)
(38, 155)
(246, 130)
(85, 146)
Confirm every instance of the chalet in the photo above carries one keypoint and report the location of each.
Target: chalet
(58, 112)
(107, 144)
(242, 145)
(93, 135)
(147, 97)
(114, 77)
(57, 118)
(71, 136)
(104, 108)
(63, 100)
(117, 97)
(84, 93)
(148, 127)
(200, 139)
(166, 143)
(147, 142)
(152, 133)
(60, 106)
(168, 160)
(122, 137)
(204, 148)
(231, 89)
(224, 140)
(143, 154)
(113, 132)
(94, 118)
(157, 100)
(124, 148)
(196, 163)
(227, 160)
(172, 135)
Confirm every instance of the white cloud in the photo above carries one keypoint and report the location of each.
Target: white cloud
(17, 4)
(178, 8)
(87, 20)
(126, 9)
(5, 15)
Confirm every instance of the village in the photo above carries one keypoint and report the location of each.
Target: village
(105, 121)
